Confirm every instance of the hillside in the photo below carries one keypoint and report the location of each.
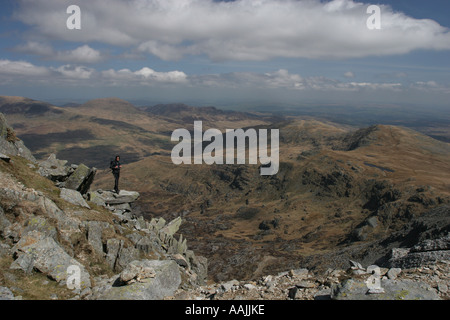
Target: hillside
(94, 132)
(86, 133)
(29, 107)
(337, 188)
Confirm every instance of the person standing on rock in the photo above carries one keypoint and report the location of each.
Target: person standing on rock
(115, 167)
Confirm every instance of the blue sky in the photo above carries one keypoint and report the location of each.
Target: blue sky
(243, 52)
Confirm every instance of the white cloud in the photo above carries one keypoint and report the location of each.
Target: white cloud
(21, 69)
(161, 50)
(74, 72)
(36, 48)
(20, 72)
(349, 74)
(282, 79)
(238, 30)
(430, 86)
(82, 54)
(143, 76)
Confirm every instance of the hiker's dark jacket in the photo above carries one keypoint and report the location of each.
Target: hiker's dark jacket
(113, 165)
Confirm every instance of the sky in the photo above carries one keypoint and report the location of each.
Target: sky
(242, 52)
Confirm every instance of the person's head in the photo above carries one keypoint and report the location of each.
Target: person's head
(117, 158)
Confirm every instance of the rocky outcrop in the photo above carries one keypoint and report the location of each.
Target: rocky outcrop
(154, 234)
(50, 234)
(10, 144)
(424, 253)
(74, 177)
(119, 204)
(55, 169)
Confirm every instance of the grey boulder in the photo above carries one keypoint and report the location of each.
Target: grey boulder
(73, 197)
(163, 280)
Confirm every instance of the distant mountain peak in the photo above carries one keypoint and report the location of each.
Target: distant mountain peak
(22, 105)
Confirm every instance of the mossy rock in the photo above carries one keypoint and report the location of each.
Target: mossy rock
(80, 179)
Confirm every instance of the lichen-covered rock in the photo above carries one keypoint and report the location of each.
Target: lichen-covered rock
(42, 225)
(172, 227)
(36, 251)
(94, 234)
(119, 254)
(81, 179)
(66, 224)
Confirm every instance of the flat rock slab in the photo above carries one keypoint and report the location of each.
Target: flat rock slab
(102, 197)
